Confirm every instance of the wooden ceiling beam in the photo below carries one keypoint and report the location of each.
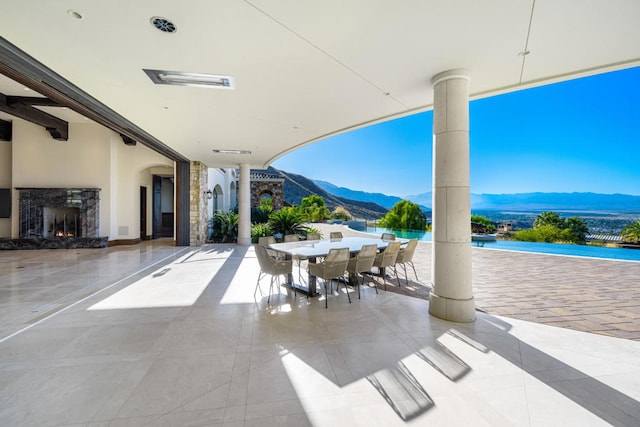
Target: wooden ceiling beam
(59, 129)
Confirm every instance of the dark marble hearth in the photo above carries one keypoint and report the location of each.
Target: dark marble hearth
(55, 243)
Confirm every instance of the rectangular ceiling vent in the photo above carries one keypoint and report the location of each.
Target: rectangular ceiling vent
(179, 78)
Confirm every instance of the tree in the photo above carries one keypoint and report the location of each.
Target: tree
(578, 229)
(404, 215)
(631, 232)
(549, 218)
(313, 208)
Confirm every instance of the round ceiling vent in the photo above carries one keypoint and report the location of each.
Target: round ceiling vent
(164, 25)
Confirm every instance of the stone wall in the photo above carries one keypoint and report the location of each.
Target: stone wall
(198, 206)
(275, 188)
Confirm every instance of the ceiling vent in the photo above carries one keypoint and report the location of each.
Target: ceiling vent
(179, 78)
(164, 24)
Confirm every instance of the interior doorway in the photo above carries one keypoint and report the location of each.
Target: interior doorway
(143, 213)
(163, 213)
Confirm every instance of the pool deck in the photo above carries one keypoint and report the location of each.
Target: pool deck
(585, 294)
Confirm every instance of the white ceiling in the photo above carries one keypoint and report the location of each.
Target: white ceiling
(308, 69)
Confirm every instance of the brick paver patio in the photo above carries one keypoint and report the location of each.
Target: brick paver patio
(585, 294)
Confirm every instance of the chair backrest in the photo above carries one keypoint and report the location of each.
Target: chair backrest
(270, 265)
(335, 263)
(388, 236)
(313, 236)
(266, 240)
(364, 260)
(390, 254)
(291, 238)
(406, 254)
(335, 235)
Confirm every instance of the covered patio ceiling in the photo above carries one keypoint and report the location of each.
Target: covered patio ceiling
(303, 70)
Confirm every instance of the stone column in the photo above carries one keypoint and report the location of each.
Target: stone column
(452, 295)
(244, 206)
(198, 204)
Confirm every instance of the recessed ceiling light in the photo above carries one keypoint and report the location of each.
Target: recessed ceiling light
(163, 24)
(222, 151)
(179, 78)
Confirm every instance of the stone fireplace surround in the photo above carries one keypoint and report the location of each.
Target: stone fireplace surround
(33, 228)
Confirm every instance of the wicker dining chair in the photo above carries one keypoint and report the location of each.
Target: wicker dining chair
(405, 256)
(272, 266)
(333, 267)
(361, 264)
(387, 258)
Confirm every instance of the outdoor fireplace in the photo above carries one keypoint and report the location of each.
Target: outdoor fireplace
(60, 217)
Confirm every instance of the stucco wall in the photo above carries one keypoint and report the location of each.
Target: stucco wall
(94, 156)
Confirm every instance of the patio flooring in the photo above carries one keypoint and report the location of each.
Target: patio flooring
(591, 295)
(159, 335)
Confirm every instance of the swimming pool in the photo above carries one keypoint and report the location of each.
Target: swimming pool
(545, 248)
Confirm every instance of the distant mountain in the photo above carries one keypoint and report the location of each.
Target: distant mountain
(379, 198)
(557, 201)
(546, 201)
(375, 205)
(296, 187)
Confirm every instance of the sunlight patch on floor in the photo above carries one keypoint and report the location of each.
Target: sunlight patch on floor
(174, 285)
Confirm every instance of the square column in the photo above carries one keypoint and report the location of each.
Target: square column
(452, 295)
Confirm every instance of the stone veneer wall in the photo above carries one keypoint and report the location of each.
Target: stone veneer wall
(198, 204)
(34, 200)
(275, 188)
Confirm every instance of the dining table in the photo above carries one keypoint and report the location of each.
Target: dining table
(314, 249)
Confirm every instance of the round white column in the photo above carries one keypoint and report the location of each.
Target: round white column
(244, 206)
(452, 295)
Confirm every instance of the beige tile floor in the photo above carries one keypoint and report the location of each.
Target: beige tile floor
(163, 336)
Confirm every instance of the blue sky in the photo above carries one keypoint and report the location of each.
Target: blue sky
(577, 136)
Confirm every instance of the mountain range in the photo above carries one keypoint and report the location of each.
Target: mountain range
(366, 205)
(519, 201)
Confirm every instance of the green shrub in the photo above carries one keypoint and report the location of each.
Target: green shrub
(287, 221)
(260, 230)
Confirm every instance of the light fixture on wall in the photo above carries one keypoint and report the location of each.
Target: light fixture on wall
(208, 194)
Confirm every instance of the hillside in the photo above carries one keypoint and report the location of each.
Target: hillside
(296, 187)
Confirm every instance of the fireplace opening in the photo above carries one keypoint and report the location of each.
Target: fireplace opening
(61, 222)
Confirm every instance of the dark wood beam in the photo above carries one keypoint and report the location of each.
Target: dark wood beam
(59, 129)
(5, 130)
(32, 100)
(26, 70)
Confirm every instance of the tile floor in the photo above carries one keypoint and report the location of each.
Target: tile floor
(163, 336)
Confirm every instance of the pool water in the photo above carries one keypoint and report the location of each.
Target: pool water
(545, 248)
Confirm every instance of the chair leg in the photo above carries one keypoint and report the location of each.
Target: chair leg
(395, 271)
(326, 295)
(414, 271)
(257, 284)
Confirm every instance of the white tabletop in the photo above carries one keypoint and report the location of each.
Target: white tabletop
(319, 248)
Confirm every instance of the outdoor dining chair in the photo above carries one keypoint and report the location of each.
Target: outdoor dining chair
(387, 258)
(361, 264)
(405, 256)
(333, 267)
(335, 235)
(313, 236)
(388, 236)
(291, 238)
(273, 267)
